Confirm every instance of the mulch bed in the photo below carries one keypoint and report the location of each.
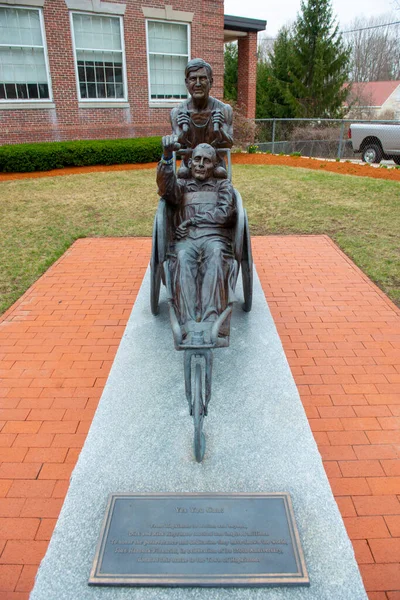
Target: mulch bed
(344, 168)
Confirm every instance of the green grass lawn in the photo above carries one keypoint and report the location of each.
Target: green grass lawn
(40, 218)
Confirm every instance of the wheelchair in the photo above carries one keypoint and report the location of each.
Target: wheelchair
(198, 352)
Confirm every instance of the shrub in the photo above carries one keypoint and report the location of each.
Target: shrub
(20, 158)
(244, 128)
(314, 131)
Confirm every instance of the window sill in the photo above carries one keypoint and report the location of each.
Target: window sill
(104, 104)
(165, 104)
(26, 105)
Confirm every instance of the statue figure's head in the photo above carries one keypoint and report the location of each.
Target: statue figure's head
(198, 78)
(203, 162)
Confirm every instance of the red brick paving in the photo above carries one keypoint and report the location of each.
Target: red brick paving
(342, 339)
(57, 344)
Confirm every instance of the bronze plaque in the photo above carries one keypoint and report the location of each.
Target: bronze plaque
(214, 540)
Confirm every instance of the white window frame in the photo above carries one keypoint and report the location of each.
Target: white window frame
(33, 101)
(167, 101)
(99, 101)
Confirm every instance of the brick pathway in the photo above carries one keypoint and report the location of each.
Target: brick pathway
(57, 344)
(341, 336)
(342, 339)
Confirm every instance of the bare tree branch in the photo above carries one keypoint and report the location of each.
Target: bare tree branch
(375, 52)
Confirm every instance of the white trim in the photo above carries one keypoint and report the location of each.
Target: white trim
(43, 47)
(167, 14)
(46, 54)
(232, 36)
(27, 105)
(164, 103)
(23, 3)
(96, 6)
(390, 96)
(167, 101)
(235, 33)
(169, 53)
(124, 73)
(103, 104)
(148, 60)
(98, 49)
(20, 45)
(71, 26)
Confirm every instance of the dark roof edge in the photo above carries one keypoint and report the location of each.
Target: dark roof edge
(243, 23)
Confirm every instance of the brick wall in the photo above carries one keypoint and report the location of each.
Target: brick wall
(67, 121)
(247, 73)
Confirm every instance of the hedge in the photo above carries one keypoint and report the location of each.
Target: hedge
(20, 158)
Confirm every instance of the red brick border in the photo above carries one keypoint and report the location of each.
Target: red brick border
(57, 344)
(341, 336)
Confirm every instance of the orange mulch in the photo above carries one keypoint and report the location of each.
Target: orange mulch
(76, 171)
(344, 168)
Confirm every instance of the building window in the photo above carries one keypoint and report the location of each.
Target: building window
(99, 56)
(24, 71)
(168, 54)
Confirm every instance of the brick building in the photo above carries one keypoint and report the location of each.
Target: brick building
(94, 69)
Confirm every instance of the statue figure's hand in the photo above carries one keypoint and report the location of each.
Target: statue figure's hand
(183, 121)
(217, 119)
(182, 230)
(169, 144)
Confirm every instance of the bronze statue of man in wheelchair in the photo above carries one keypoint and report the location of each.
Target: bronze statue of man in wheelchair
(201, 238)
(202, 270)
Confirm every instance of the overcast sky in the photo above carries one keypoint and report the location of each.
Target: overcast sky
(280, 12)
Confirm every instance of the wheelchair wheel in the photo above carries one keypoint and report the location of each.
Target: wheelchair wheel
(198, 417)
(247, 267)
(155, 273)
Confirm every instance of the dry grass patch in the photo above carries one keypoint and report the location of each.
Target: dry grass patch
(42, 217)
(361, 215)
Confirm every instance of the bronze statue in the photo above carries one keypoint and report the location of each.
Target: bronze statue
(200, 237)
(202, 118)
(201, 263)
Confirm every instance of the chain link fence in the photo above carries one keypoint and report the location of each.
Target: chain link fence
(371, 141)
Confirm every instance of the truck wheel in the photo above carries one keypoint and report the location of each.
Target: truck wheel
(396, 159)
(372, 154)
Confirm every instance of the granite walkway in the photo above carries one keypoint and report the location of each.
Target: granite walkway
(342, 339)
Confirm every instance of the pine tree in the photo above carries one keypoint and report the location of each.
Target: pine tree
(231, 72)
(273, 79)
(319, 64)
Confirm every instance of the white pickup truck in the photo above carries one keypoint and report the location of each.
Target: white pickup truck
(376, 141)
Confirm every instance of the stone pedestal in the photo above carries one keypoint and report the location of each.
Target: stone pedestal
(258, 440)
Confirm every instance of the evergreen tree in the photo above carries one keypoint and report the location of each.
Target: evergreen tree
(231, 72)
(319, 64)
(273, 79)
